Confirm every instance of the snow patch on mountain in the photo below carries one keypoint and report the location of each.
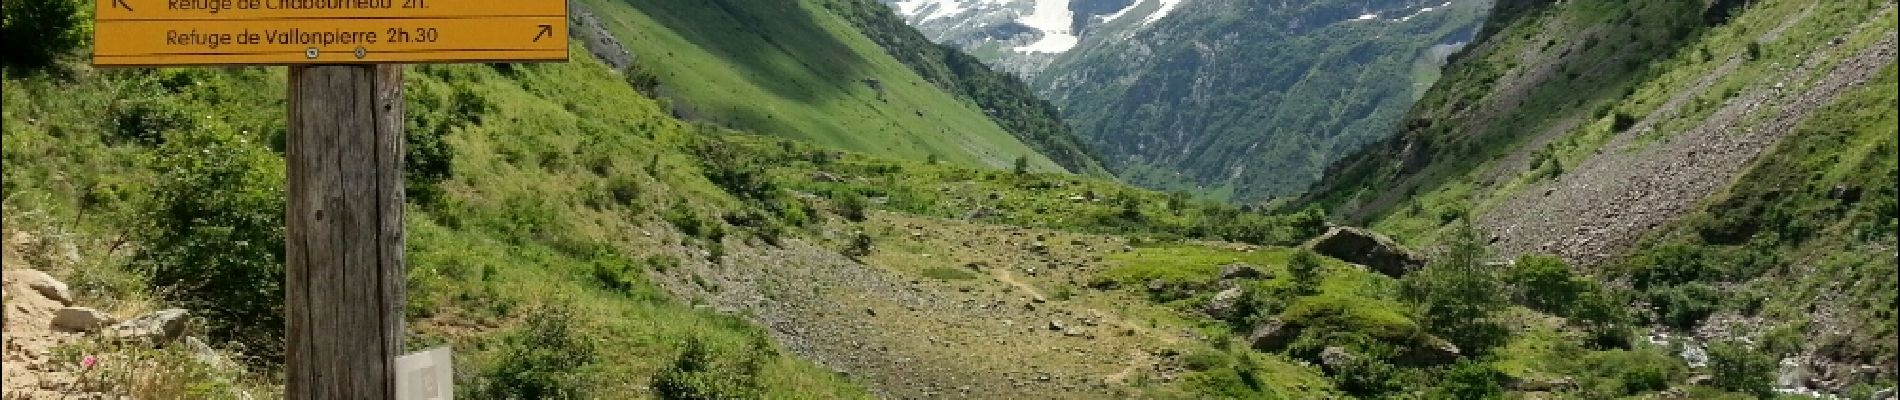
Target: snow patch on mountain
(1053, 18)
(920, 11)
(1167, 6)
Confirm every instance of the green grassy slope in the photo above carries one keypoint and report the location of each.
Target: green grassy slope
(548, 175)
(1002, 96)
(1788, 252)
(793, 69)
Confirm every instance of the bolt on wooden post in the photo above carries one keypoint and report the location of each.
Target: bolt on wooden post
(344, 271)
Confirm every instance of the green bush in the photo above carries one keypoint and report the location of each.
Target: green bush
(692, 224)
(859, 246)
(1471, 380)
(220, 255)
(699, 374)
(543, 359)
(852, 205)
(146, 121)
(38, 31)
(1456, 295)
(1737, 368)
(1305, 267)
(1685, 306)
(1545, 284)
(1204, 360)
(1619, 373)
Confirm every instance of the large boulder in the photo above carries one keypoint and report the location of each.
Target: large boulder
(80, 319)
(1272, 334)
(1431, 350)
(1364, 247)
(163, 326)
(1222, 305)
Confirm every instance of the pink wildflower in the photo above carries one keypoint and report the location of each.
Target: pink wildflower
(88, 362)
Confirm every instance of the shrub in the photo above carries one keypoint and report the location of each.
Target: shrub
(145, 121)
(689, 222)
(1021, 166)
(236, 236)
(1683, 307)
(615, 272)
(1621, 121)
(1456, 295)
(1472, 380)
(543, 359)
(1545, 284)
(1304, 266)
(1737, 368)
(851, 205)
(1203, 360)
(1619, 373)
(38, 31)
(859, 246)
(698, 374)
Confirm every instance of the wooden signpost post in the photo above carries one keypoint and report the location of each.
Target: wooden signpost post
(344, 271)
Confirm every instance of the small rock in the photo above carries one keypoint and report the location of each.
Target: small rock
(164, 325)
(1335, 357)
(1057, 326)
(80, 319)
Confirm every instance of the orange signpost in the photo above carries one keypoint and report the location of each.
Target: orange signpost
(281, 32)
(343, 236)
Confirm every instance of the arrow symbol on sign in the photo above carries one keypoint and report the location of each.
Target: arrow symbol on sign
(121, 4)
(546, 30)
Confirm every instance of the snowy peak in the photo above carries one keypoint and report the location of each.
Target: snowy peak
(1025, 35)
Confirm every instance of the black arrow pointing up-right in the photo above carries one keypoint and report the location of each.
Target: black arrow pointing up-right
(546, 30)
(121, 4)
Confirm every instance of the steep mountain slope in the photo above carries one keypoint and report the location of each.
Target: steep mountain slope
(1683, 148)
(1249, 100)
(793, 69)
(1003, 97)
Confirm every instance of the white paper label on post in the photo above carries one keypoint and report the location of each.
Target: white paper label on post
(425, 375)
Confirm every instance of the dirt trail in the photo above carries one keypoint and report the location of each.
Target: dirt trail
(888, 323)
(1003, 275)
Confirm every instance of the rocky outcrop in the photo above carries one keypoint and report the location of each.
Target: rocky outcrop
(1242, 271)
(80, 319)
(1223, 303)
(42, 283)
(1272, 335)
(1364, 247)
(596, 38)
(165, 326)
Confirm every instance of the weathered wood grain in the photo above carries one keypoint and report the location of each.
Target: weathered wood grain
(344, 289)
